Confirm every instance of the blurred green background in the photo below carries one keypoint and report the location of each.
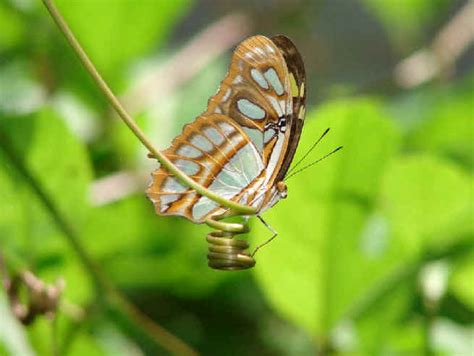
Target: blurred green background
(376, 244)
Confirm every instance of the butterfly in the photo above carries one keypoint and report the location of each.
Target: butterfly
(242, 146)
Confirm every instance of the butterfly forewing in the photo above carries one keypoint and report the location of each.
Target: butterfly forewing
(255, 93)
(243, 143)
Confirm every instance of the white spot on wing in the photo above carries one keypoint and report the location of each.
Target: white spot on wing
(188, 151)
(238, 79)
(167, 199)
(259, 78)
(226, 128)
(203, 207)
(201, 142)
(275, 156)
(268, 135)
(251, 110)
(272, 77)
(276, 105)
(172, 185)
(255, 136)
(227, 94)
(213, 135)
(188, 167)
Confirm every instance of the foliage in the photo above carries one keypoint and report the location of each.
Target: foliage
(376, 243)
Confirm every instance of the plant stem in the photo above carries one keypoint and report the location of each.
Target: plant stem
(104, 289)
(127, 119)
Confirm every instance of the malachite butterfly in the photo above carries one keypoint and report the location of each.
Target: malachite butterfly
(242, 146)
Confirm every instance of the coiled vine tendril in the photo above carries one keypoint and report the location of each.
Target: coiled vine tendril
(225, 251)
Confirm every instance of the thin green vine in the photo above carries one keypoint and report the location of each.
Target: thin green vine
(128, 120)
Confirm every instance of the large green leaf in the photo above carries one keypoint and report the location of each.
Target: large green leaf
(114, 32)
(320, 264)
(419, 200)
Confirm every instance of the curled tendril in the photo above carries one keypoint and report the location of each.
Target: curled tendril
(225, 251)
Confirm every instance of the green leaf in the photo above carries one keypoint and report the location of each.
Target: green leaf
(356, 125)
(114, 32)
(424, 198)
(320, 255)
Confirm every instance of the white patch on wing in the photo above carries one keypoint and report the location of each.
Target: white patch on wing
(188, 167)
(213, 135)
(256, 137)
(203, 207)
(276, 105)
(226, 128)
(272, 77)
(268, 135)
(188, 151)
(248, 161)
(251, 110)
(238, 79)
(259, 78)
(275, 156)
(287, 108)
(227, 94)
(203, 143)
(167, 199)
(173, 185)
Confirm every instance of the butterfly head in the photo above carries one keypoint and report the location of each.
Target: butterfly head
(282, 189)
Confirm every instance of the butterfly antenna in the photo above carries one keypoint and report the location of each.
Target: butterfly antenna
(313, 163)
(275, 234)
(308, 152)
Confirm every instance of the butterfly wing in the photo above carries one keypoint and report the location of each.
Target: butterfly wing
(297, 78)
(268, 76)
(255, 94)
(214, 152)
(238, 146)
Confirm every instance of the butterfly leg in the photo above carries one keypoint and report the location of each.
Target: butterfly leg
(275, 234)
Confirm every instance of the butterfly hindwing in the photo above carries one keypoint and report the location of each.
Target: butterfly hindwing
(214, 152)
